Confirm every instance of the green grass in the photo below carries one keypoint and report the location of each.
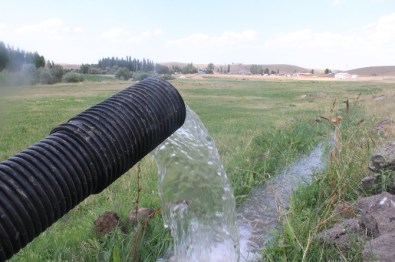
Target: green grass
(259, 127)
(98, 78)
(312, 205)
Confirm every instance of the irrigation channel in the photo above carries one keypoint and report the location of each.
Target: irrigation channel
(198, 203)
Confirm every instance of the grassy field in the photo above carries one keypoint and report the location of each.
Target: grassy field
(259, 128)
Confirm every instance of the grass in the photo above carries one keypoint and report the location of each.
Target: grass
(312, 205)
(259, 127)
(98, 78)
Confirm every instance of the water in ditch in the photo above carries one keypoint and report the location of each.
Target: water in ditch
(259, 214)
(198, 203)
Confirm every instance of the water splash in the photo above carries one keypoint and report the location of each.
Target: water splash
(197, 200)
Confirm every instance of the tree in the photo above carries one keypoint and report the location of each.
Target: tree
(57, 72)
(256, 69)
(312, 71)
(327, 71)
(228, 71)
(84, 69)
(45, 76)
(189, 69)
(123, 73)
(38, 61)
(266, 72)
(161, 69)
(210, 68)
(3, 56)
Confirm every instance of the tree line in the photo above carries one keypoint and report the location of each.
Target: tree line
(20, 67)
(132, 64)
(13, 59)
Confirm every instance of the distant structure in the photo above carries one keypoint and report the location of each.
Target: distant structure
(303, 74)
(244, 72)
(344, 75)
(202, 71)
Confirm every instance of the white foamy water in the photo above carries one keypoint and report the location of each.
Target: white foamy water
(197, 200)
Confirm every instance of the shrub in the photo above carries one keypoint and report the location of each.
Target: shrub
(95, 71)
(72, 77)
(45, 76)
(122, 73)
(167, 77)
(57, 73)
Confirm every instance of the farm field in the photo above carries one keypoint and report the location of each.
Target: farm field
(260, 127)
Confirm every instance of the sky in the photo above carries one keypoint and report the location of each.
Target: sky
(335, 34)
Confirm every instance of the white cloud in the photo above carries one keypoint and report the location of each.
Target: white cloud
(3, 26)
(78, 30)
(49, 25)
(222, 40)
(224, 47)
(308, 39)
(372, 43)
(116, 35)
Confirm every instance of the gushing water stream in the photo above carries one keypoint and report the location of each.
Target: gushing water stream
(197, 200)
(198, 203)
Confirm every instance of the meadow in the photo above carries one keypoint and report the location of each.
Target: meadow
(259, 126)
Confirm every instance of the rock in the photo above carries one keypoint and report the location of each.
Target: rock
(378, 98)
(380, 249)
(141, 215)
(342, 235)
(386, 127)
(344, 210)
(369, 224)
(376, 183)
(371, 184)
(107, 222)
(376, 217)
(384, 158)
(382, 208)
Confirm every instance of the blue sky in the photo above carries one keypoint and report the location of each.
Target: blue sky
(338, 34)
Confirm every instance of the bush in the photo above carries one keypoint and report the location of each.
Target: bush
(45, 76)
(57, 73)
(167, 77)
(72, 77)
(95, 71)
(122, 73)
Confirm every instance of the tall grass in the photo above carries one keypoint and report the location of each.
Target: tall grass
(312, 205)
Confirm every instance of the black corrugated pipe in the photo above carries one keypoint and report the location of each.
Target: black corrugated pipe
(82, 157)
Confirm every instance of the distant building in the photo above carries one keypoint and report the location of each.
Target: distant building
(303, 74)
(202, 71)
(244, 72)
(342, 75)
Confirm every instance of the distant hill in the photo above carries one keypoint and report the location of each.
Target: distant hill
(374, 71)
(281, 68)
(236, 68)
